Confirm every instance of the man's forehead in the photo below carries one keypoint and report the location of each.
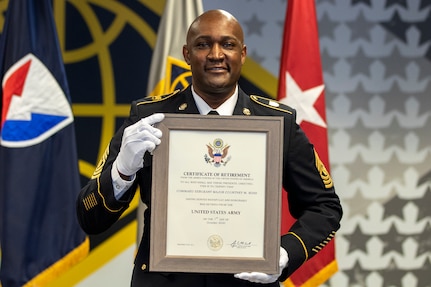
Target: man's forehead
(216, 29)
(216, 37)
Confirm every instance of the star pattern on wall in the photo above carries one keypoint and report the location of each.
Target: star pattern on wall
(394, 207)
(254, 25)
(358, 169)
(397, 26)
(361, 27)
(357, 204)
(423, 274)
(393, 240)
(365, 2)
(357, 240)
(357, 275)
(424, 240)
(401, 3)
(392, 275)
(379, 82)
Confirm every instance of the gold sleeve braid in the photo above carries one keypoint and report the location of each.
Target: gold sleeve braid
(99, 166)
(319, 247)
(90, 201)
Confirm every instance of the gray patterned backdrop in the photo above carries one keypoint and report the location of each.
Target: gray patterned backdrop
(376, 58)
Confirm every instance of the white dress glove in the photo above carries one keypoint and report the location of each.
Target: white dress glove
(263, 278)
(138, 139)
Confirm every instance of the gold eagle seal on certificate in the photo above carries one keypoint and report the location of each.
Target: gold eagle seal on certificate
(217, 153)
(215, 242)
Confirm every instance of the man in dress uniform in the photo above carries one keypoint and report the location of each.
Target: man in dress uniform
(215, 51)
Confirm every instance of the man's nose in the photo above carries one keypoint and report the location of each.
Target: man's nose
(216, 52)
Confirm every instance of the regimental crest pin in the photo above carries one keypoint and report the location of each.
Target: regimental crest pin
(217, 153)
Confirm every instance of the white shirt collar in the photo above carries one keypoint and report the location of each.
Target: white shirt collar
(225, 109)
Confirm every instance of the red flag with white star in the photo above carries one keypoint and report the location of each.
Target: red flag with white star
(301, 87)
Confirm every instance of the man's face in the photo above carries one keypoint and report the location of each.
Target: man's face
(215, 53)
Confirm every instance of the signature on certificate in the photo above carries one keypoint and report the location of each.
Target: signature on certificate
(241, 244)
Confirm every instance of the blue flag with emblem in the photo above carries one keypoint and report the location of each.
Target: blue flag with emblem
(39, 178)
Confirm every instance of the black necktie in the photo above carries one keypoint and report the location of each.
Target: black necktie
(213, 113)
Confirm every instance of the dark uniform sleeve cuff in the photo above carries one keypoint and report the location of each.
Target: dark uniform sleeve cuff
(296, 251)
(108, 197)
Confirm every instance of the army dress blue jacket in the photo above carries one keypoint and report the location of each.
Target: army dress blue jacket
(312, 198)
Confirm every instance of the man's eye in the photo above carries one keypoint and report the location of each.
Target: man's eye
(202, 45)
(228, 45)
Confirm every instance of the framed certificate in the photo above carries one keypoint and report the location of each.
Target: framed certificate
(216, 194)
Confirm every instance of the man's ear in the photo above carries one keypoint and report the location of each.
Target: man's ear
(243, 54)
(186, 54)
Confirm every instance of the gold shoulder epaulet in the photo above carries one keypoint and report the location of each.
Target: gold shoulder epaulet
(269, 103)
(157, 98)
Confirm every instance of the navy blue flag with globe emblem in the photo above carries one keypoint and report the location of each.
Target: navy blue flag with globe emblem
(178, 74)
(39, 179)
